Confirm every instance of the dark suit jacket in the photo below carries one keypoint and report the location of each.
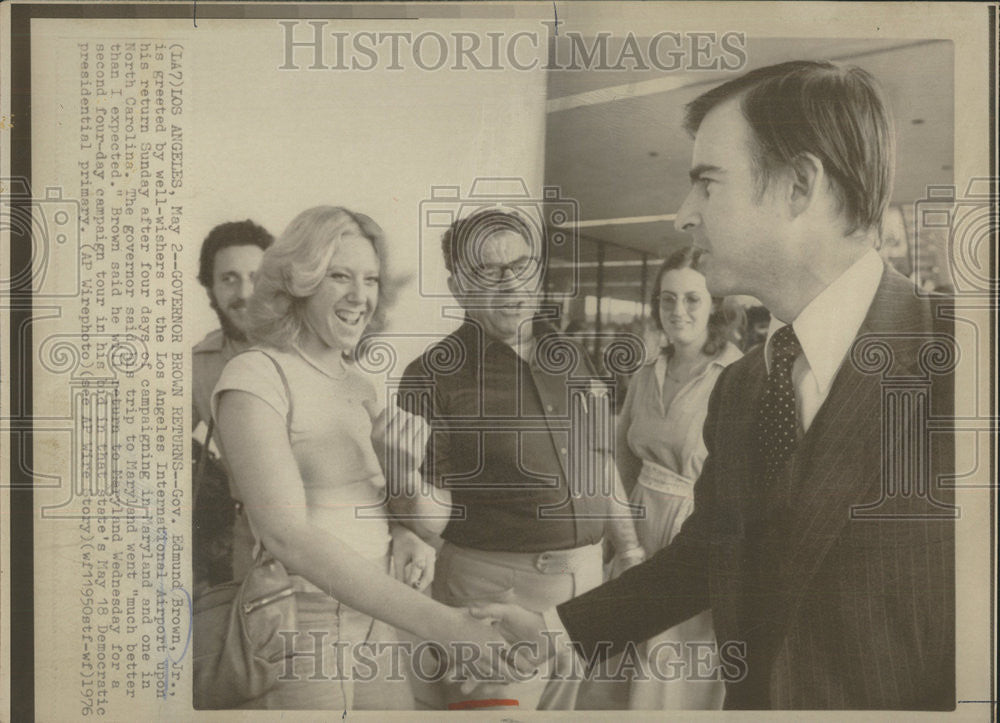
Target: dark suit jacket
(864, 596)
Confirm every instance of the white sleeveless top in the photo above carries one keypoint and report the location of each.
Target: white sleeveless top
(330, 438)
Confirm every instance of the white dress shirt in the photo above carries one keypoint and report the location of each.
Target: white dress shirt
(826, 329)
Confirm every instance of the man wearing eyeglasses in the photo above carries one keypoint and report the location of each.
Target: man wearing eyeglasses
(525, 495)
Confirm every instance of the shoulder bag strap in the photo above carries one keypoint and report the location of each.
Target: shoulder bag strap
(259, 554)
(288, 390)
(203, 457)
(199, 469)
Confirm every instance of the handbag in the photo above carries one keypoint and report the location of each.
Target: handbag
(238, 650)
(213, 517)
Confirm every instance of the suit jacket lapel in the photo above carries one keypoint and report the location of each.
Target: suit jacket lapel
(736, 450)
(839, 462)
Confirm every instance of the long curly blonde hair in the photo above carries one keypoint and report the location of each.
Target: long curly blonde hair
(296, 264)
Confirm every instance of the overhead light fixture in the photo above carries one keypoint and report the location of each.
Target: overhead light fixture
(617, 221)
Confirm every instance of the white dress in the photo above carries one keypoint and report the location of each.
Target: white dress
(682, 663)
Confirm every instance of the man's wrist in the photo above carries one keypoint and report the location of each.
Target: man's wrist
(553, 623)
(400, 529)
(560, 644)
(632, 553)
(406, 484)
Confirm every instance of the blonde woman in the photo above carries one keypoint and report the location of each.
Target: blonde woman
(318, 287)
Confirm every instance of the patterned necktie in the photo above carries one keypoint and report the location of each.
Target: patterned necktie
(778, 425)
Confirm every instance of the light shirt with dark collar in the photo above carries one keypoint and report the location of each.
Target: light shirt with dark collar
(826, 329)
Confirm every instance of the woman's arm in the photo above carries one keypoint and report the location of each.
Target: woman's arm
(256, 447)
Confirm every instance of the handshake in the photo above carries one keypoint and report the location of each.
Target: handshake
(499, 643)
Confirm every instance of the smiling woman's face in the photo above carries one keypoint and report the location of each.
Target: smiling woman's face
(340, 309)
(685, 306)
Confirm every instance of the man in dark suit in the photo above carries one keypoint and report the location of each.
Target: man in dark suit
(822, 537)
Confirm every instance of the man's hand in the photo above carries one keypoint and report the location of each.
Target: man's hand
(400, 441)
(493, 660)
(413, 559)
(523, 629)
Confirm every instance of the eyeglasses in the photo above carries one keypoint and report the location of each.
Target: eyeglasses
(521, 269)
(691, 303)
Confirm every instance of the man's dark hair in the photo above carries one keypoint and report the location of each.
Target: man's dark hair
(234, 233)
(463, 239)
(836, 113)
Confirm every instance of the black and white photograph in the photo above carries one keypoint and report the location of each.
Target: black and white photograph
(498, 360)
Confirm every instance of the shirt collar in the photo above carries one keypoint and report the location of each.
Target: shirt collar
(730, 353)
(231, 347)
(828, 325)
(212, 343)
(540, 328)
(216, 342)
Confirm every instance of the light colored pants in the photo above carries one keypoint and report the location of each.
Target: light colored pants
(328, 682)
(535, 581)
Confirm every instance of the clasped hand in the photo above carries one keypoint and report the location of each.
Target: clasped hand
(400, 441)
(413, 559)
(523, 648)
(481, 657)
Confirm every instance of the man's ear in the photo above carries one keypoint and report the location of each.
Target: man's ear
(453, 287)
(807, 182)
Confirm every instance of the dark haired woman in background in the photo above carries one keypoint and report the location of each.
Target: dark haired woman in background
(660, 453)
